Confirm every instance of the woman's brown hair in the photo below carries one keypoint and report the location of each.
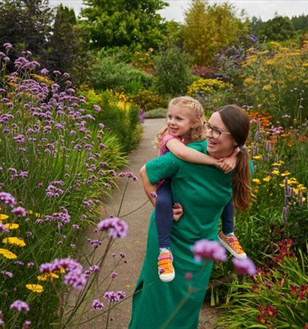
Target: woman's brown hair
(237, 122)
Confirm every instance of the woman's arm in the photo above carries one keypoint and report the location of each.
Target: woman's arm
(188, 154)
(149, 188)
(150, 191)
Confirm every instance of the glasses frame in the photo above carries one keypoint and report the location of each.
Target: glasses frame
(209, 128)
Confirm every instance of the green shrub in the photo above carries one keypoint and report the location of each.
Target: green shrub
(172, 72)
(277, 298)
(212, 93)
(110, 73)
(147, 100)
(117, 114)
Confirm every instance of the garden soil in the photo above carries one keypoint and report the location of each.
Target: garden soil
(134, 245)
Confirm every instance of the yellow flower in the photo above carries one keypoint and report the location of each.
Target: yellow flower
(275, 44)
(275, 172)
(292, 181)
(14, 241)
(3, 217)
(286, 173)
(7, 254)
(257, 181)
(38, 215)
(277, 164)
(267, 179)
(269, 62)
(257, 157)
(47, 276)
(12, 226)
(35, 288)
(305, 65)
(267, 87)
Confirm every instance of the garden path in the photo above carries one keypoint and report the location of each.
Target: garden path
(134, 244)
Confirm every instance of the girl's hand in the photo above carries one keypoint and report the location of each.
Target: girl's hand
(226, 164)
(177, 211)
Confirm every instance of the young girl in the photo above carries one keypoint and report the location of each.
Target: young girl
(185, 124)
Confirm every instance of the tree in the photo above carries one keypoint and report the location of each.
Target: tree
(256, 25)
(210, 28)
(278, 29)
(26, 24)
(135, 23)
(66, 49)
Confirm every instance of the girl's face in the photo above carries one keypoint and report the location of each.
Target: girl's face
(179, 121)
(224, 145)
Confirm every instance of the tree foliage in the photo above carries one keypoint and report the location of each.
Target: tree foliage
(134, 23)
(278, 29)
(210, 28)
(26, 24)
(67, 39)
(173, 72)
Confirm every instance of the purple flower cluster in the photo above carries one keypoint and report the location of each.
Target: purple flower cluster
(7, 199)
(97, 304)
(53, 190)
(211, 250)
(19, 306)
(244, 266)
(74, 271)
(3, 229)
(114, 296)
(117, 227)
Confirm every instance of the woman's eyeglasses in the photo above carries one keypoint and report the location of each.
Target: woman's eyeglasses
(214, 131)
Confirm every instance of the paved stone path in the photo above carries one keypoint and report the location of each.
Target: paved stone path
(135, 243)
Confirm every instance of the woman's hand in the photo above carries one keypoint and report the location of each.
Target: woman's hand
(177, 211)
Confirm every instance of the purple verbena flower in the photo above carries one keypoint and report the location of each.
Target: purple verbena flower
(7, 273)
(211, 250)
(244, 266)
(3, 229)
(97, 108)
(117, 227)
(7, 199)
(97, 304)
(19, 306)
(114, 296)
(26, 324)
(74, 271)
(8, 46)
(19, 211)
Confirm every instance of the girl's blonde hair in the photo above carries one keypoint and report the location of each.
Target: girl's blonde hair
(197, 133)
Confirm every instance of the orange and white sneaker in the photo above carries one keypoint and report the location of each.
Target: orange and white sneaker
(165, 266)
(230, 242)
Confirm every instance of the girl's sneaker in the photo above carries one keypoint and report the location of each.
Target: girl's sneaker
(230, 242)
(165, 267)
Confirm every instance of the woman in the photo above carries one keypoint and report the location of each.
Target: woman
(203, 191)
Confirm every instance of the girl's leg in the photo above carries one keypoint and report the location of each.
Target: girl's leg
(164, 214)
(227, 237)
(227, 218)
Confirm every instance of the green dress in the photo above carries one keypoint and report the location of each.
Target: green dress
(203, 192)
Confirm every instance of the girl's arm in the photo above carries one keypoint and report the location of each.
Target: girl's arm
(188, 154)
